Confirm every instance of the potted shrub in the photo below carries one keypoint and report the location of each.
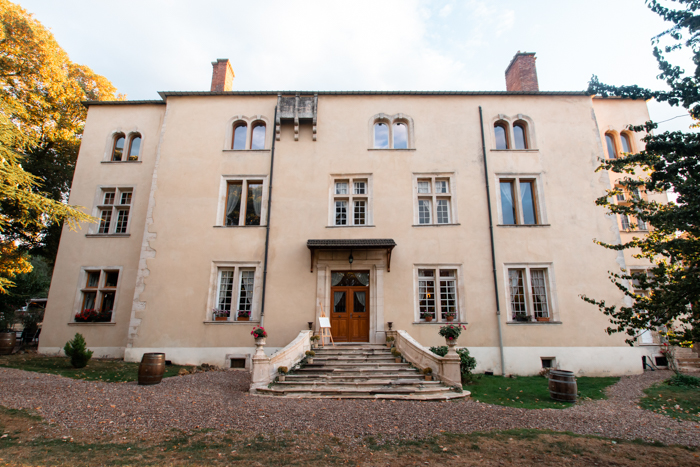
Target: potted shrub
(8, 338)
(389, 341)
(282, 370)
(396, 354)
(310, 354)
(449, 316)
(542, 318)
(522, 317)
(451, 332)
(428, 317)
(243, 315)
(428, 374)
(220, 315)
(314, 340)
(259, 334)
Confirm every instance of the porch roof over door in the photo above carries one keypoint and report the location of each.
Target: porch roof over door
(387, 244)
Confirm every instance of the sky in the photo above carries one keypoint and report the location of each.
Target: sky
(147, 46)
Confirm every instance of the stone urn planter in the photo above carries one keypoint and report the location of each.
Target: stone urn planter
(8, 341)
(260, 341)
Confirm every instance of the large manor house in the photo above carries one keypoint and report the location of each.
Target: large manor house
(223, 210)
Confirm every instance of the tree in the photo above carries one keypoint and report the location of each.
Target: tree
(670, 297)
(41, 122)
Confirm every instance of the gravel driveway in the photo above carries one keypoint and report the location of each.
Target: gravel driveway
(219, 400)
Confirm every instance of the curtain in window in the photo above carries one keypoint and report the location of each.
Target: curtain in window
(359, 299)
(507, 205)
(539, 293)
(363, 277)
(256, 193)
(234, 198)
(336, 277)
(339, 297)
(517, 293)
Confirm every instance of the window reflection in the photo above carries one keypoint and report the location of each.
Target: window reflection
(501, 138)
(239, 135)
(258, 139)
(400, 136)
(381, 136)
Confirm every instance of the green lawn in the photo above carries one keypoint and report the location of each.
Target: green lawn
(674, 401)
(532, 392)
(112, 371)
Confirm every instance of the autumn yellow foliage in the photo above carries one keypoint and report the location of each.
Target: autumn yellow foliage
(41, 115)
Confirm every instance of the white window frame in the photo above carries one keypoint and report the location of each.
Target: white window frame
(223, 193)
(351, 197)
(459, 287)
(529, 305)
(434, 197)
(113, 209)
(540, 211)
(214, 289)
(100, 290)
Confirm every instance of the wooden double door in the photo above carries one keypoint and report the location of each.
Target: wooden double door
(350, 307)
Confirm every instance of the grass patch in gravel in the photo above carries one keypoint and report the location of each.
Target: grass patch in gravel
(112, 371)
(532, 392)
(675, 401)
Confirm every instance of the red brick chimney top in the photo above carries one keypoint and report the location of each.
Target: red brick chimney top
(222, 75)
(521, 74)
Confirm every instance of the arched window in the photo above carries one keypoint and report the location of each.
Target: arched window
(500, 129)
(520, 135)
(134, 147)
(258, 138)
(118, 148)
(626, 146)
(239, 136)
(610, 143)
(381, 136)
(400, 136)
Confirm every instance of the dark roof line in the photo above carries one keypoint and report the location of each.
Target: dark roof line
(165, 94)
(142, 102)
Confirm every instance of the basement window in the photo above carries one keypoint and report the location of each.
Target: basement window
(238, 363)
(547, 362)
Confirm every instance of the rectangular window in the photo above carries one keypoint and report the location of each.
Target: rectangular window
(350, 205)
(518, 201)
(433, 200)
(243, 202)
(437, 294)
(114, 210)
(229, 307)
(528, 290)
(624, 222)
(98, 296)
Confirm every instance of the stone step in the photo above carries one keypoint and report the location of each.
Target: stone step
(340, 391)
(353, 358)
(355, 378)
(367, 383)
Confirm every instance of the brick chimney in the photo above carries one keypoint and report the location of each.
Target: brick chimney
(521, 74)
(222, 76)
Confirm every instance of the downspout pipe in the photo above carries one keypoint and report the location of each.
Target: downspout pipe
(267, 227)
(493, 248)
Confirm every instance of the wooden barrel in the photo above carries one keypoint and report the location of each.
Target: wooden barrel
(8, 340)
(562, 386)
(152, 368)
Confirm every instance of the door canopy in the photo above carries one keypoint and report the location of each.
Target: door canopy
(387, 244)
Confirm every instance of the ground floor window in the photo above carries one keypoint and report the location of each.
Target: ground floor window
(234, 297)
(529, 294)
(98, 295)
(437, 294)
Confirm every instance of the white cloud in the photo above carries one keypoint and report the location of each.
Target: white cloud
(445, 11)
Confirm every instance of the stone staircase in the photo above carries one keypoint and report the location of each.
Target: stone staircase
(359, 371)
(687, 360)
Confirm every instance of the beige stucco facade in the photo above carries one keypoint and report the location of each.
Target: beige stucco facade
(176, 244)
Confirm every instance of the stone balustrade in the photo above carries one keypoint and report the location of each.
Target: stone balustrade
(446, 368)
(265, 368)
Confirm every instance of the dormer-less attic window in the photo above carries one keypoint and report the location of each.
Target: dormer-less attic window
(118, 147)
(239, 136)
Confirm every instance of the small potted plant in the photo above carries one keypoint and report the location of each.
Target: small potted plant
(243, 315)
(88, 315)
(259, 334)
(428, 317)
(449, 315)
(451, 332)
(220, 315)
(428, 374)
(522, 317)
(542, 319)
(389, 341)
(396, 354)
(310, 354)
(314, 340)
(282, 370)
